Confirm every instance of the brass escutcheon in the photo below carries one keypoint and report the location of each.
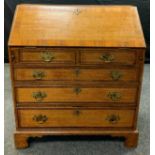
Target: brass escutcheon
(77, 72)
(76, 11)
(77, 112)
(77, 90)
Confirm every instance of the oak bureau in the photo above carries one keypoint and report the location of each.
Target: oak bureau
(76, 70)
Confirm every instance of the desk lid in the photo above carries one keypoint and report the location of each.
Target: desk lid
(76, 25)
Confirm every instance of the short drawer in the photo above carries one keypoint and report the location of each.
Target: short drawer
(108, 56)
(47, 55)
(76, 94)
(81, 74)
(75, 118)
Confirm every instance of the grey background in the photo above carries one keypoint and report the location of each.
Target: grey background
(143, 8)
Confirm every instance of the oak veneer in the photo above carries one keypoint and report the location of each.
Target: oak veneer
(76, 70)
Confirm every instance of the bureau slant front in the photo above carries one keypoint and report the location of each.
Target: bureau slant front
(76, 70)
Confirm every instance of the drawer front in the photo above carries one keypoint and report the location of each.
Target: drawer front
(75, 118)
(108, 57)
(76, 94)
(43, 55)
(60, 74)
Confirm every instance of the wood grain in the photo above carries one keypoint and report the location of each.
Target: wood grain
(120, 57)
(100, 26)
(76, 118)
(77, 48)
(76, 74)
(21, 137)
(69, 94)
(35, 55)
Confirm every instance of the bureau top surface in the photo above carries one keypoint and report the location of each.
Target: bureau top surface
(76, 25)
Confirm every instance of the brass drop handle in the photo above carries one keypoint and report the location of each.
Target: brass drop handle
(113, 119)
(115, 75)
(38, 75)
(47, 56)
(107, 57)
(114, 96)
(77, 72)
(39, 96)
(77, 90)
(40, 118)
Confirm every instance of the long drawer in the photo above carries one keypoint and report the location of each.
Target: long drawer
(75, 118)
(76, 94)
(87, 74)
